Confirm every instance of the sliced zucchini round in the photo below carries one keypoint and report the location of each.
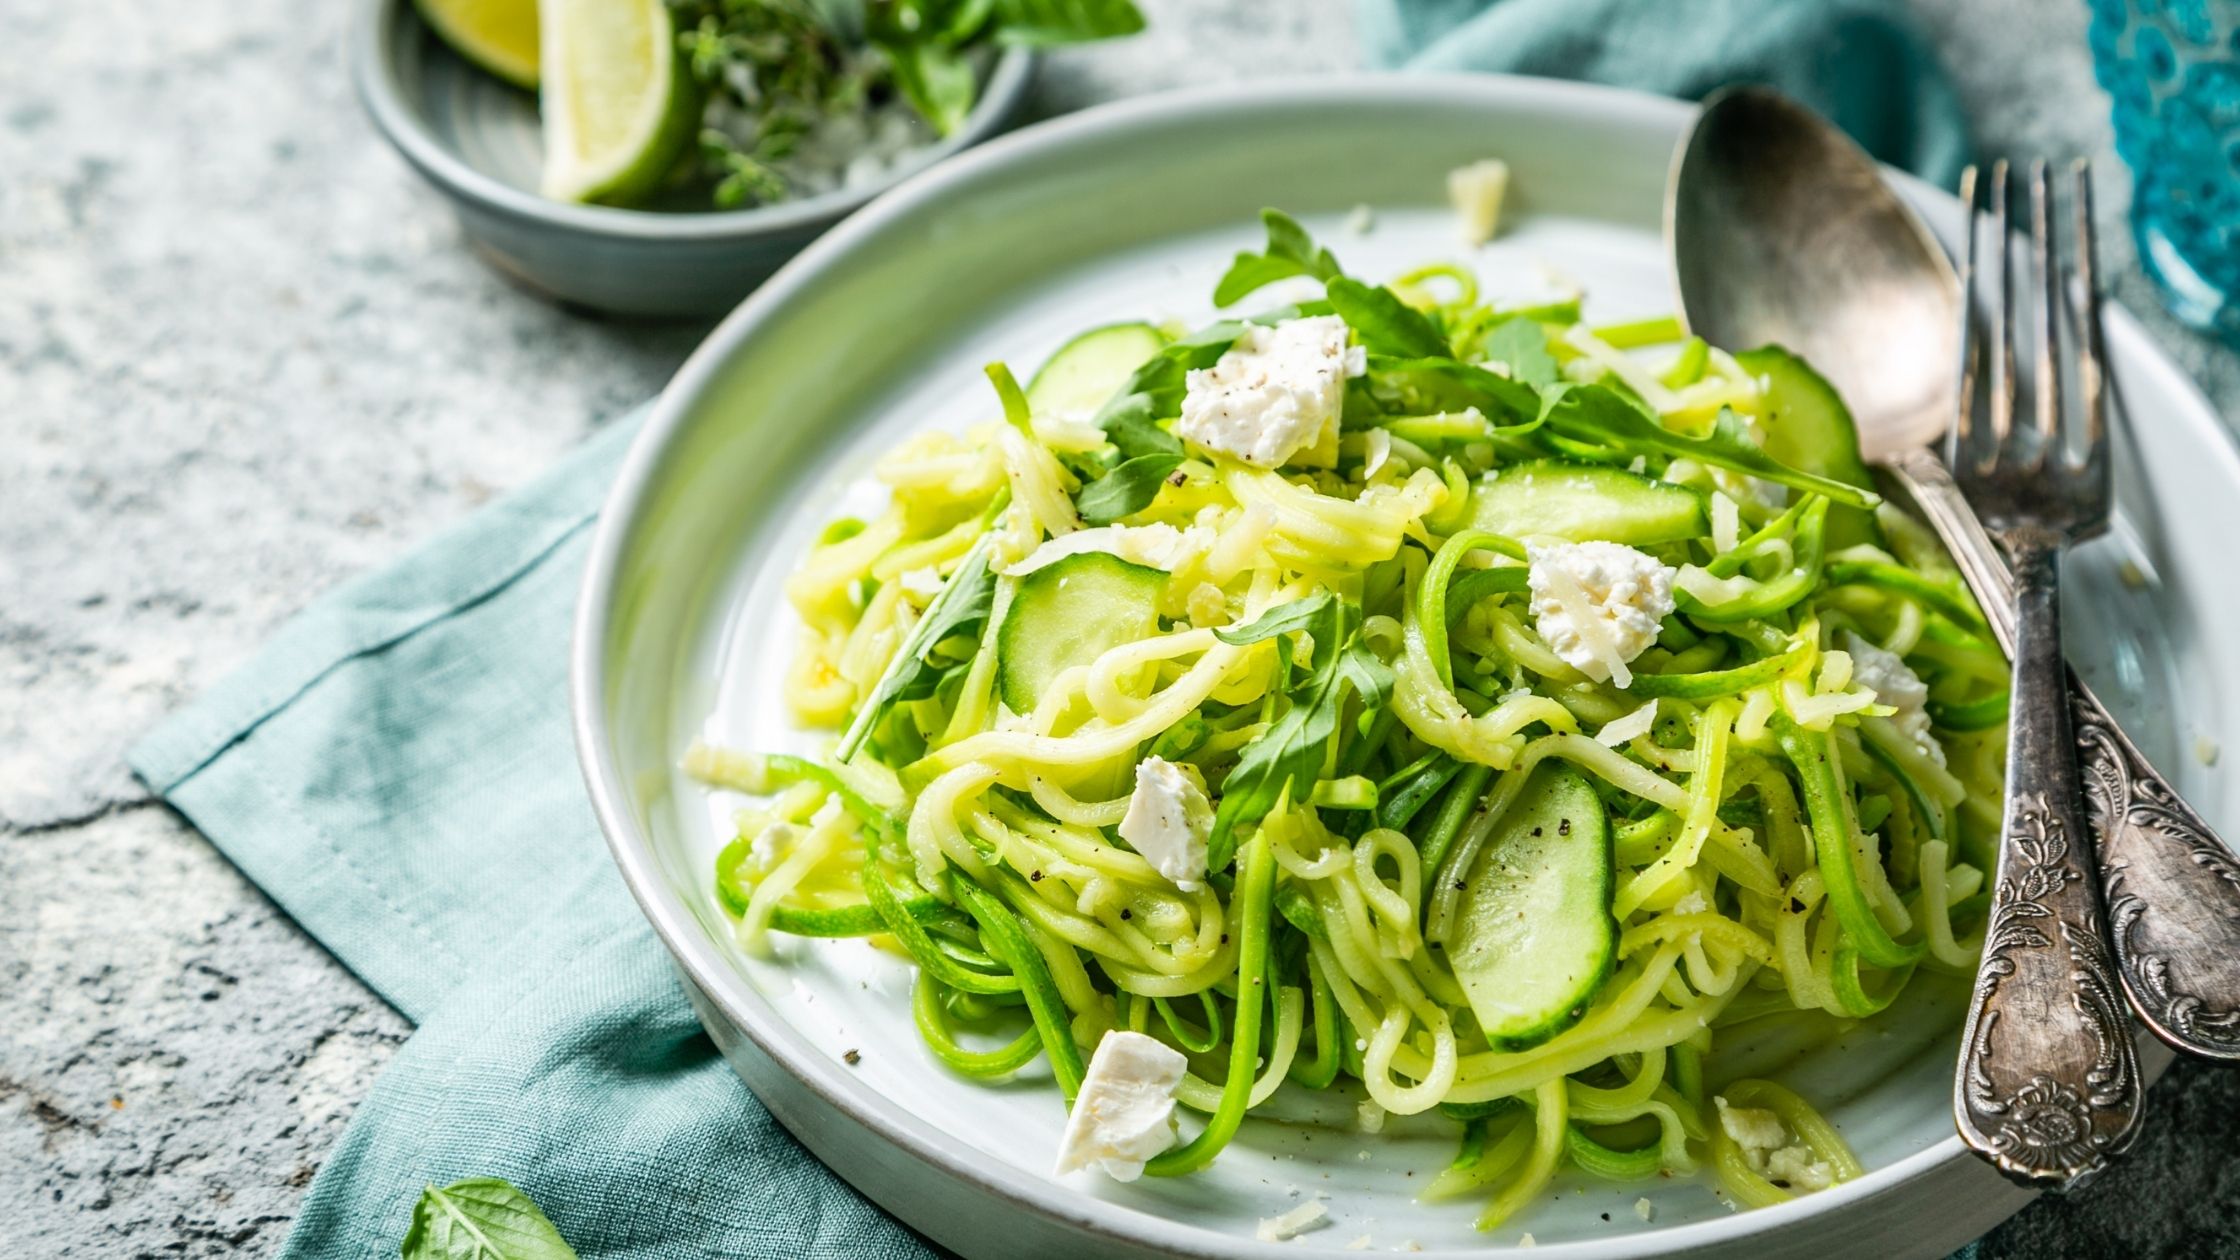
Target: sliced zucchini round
(1534, 938)
(1585, 501)
(1086, 371)
(1067, 613)
(1807, 427)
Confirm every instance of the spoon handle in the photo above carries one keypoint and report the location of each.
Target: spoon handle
(2171, 887)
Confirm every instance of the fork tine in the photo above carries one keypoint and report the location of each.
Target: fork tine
(2091, 384)
(2002, 304)
(2047, 394)
(1959, 439)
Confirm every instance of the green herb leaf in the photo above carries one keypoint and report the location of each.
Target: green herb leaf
(962, 605)
(1600, 415)
(1291, 252)
(1523, 345)
(1453, 385)
(1385, 324)
(1299, 614)
(1037, 23)
(482, 1218)
(1128, 488)
(936, 79)
(1014, 399)
(1287, 758)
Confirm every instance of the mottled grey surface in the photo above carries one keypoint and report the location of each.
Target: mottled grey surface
(242, 356)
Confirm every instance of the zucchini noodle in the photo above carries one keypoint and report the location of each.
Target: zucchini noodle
(1337, 666)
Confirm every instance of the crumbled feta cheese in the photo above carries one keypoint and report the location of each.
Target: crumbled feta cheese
(1168, 820)
(1361, 220)
(1297, 1221)
(1626, 729)
(1363, 1243)
(1644, 1209)
(1274, 397)
(772, 844)
(1769, 1151)
(1527, 1240)
(921, 584)
(1152, 546)
(1794, 1167)
(1477, 191)
(1124, 1114)
(1885, 674)
(1598, 605)
(1369, 1117)
(1693, 903)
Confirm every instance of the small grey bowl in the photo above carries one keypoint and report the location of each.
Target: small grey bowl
(477, 140)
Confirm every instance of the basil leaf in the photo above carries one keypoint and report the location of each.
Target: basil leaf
(1599, 415)
(1299, 614)
(482, 1218)
(1523, 345)
(1291, 252)
(963, 604)
(1038, 23)
(1385, 324)
(1128, 488)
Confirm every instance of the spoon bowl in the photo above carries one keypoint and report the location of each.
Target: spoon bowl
(1773, 212)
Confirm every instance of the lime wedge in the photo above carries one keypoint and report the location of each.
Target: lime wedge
(498, 35)
(618, 105)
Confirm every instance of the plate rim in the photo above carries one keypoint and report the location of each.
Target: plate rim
(696, 951)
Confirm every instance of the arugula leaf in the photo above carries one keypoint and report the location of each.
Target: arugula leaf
(1467, 384)
(1600, 415)
(1385, 324)
(1291, 252)
(1523, 345)
(1287, 758)
(1038, 23)
(481, 1218)
(962, 605)
(1299, 614)
(1128, 488)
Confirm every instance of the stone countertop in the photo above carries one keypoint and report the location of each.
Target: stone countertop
(243, 356)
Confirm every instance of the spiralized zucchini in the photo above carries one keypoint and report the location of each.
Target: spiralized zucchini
(1354, 674)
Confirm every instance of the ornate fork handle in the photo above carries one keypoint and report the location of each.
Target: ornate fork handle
(2171, 887)
(2046, 996)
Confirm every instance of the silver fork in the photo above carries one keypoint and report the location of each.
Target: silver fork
(2048, 1088)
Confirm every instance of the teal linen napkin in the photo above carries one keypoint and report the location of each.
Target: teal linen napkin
(395, 770)
(1860, 62)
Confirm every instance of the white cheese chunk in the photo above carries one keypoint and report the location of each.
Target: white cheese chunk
(1124, 1114)
(1626, 729)
(772, 844)
(1477, 191)
(1274, 397)
(1152, 546)
(1168, 820)
(1769, 1150)
(1598, 605)
(1793, 1166)
(1297, 1221)
(1644, 1209)
(1886, 674)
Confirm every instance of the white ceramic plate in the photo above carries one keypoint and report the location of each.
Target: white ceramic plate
(1132, 211)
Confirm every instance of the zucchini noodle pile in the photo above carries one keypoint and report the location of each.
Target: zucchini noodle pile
(1346, 657)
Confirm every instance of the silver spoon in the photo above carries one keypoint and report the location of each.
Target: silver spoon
(1782, 230)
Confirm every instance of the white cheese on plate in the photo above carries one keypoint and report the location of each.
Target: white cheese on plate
(1168, 820)
(1297, 1221)
(1769, 1150)
(1124, 1114)
(1274, 397)
(1477, 191)
(772, 845)
(1598, 605)
(1894, 683)
(1152, 546)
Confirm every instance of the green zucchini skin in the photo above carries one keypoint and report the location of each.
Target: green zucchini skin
(1082, 375)
(1534, 938)
(1807, 426)
(1067, 613)
(1583, 502)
